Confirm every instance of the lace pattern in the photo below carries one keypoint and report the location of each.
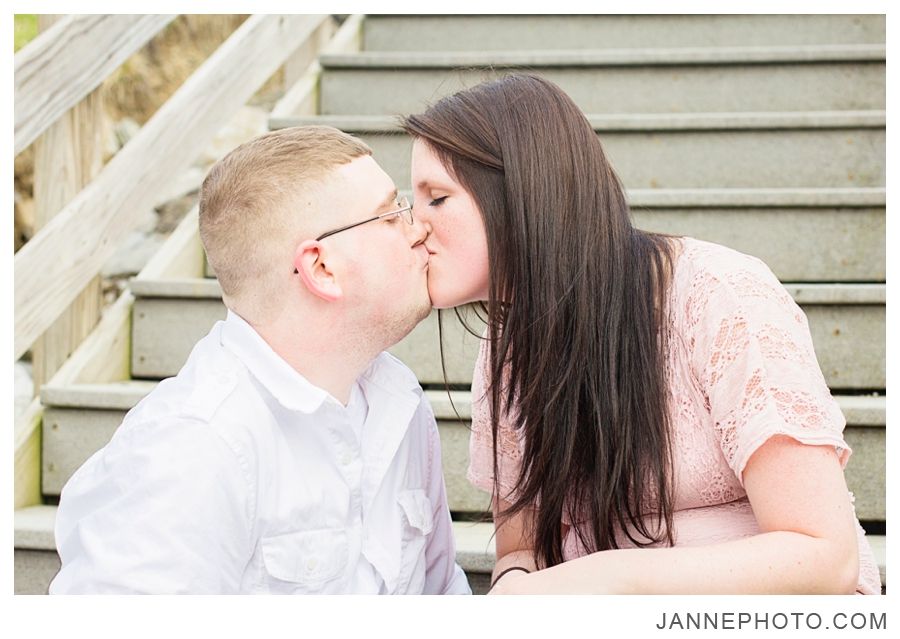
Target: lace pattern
(481, 448)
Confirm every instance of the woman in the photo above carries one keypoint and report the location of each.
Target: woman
(647, 410)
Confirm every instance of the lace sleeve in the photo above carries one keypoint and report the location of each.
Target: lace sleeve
(481, 448)
(752, 355)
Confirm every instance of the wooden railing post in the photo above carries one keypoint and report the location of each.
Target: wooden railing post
(297, 64)
(68, 155)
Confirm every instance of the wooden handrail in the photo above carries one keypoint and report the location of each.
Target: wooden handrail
(54, 266)
(69, 60)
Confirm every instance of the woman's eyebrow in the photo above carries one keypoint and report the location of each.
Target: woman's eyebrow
(425, 183)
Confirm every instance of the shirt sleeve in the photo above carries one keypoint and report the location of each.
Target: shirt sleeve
(752, 355)
(443, 575)
(164, 508)
(481, 444)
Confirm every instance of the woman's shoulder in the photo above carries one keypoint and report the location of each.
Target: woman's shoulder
(697, 257)
(712, 282)
(703, 268)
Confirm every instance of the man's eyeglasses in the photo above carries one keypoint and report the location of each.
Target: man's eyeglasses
(405, 212)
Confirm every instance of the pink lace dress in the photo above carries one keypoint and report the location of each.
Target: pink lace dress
(742, 369)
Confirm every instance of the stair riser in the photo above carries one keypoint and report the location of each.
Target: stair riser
(798, 244)
(865, 472)
(816, 86)
(849, 342)
(461, 495)
(165, 331)
(75, 434)
(522, 32)
(831, 158)
(34, 570)
(72, 435)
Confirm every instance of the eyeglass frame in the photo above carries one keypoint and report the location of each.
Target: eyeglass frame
(409, 219)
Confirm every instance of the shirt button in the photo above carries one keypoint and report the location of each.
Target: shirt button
(310, 565)
(346, 459)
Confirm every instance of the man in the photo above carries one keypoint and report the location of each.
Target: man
(290, 454)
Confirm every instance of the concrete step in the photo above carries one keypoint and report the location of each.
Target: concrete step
(847, 322)
(36, 560)
(803, 235)
(81, 419)
(543, 32)
(627, 80)
(476, 553)
(692, 151)
(170, 316)
(823, 239)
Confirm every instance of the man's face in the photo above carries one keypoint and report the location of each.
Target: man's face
(383, 269)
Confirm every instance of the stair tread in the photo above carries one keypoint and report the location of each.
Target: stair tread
(34, 530)
(802, 292)
(475, 545)
(871, 118)
(112, 396)
(860, 410)
(609, 57)
(34, 527)
(126, 394)
(762, 197)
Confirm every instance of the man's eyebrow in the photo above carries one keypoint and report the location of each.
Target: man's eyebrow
(388, 201)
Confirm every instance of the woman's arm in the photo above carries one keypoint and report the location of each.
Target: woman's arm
(808, 542)
(512, 541)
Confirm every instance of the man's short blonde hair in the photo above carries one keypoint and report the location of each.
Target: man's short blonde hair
(254, 205)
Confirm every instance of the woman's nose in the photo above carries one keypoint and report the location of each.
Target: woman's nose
(422, 218)
(419, 230)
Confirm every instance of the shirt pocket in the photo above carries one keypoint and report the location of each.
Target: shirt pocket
(305, 561)
(417, 523)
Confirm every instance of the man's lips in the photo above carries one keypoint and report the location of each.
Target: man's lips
(420, 249)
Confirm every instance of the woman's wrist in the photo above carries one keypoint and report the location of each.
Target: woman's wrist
(521, 559)
(514, 582)
(508, 570)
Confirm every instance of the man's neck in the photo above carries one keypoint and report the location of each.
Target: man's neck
(331, 365)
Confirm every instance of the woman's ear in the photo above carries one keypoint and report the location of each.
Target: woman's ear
(314, 272)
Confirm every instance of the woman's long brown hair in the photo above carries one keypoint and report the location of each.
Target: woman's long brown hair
(577, 319)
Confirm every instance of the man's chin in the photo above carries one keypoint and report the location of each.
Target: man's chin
(406, 322)
(425, 309)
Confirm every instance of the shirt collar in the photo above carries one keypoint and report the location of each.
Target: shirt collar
(290, 388)
(390, 375)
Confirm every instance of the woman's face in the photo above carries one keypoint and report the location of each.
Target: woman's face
(458, 265)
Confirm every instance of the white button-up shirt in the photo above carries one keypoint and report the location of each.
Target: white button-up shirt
(240, 476)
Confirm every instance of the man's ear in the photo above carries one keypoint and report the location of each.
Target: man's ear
(314, 272)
